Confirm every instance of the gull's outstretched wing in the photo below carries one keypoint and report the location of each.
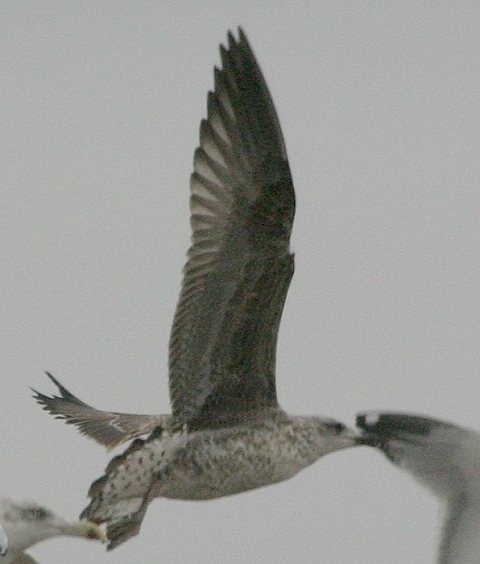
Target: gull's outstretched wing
(106, 427)
(223, 340)
(446, 459)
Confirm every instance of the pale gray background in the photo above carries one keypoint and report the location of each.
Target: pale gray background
(379, 104)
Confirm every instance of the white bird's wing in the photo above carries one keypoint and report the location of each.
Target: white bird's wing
(223, 340)
(108, 428)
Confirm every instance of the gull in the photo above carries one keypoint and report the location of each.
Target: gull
(26, 523)
(445, 458)
(227, 432)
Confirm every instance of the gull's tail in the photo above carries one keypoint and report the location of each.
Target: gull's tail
(121, 496)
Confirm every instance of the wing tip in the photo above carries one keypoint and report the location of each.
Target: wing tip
(233, 43)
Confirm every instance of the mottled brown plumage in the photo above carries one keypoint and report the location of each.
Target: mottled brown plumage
(227, 433)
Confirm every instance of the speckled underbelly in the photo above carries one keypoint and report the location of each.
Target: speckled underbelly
(206, 466)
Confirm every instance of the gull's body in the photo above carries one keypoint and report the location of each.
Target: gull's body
(445, 458)
(227, 432)
(26, 524)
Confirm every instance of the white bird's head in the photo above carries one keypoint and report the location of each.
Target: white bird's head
(26, 524)
(440, 455)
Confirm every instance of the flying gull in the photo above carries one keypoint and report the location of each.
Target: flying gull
(444, 458)
(25, 524)
(227, 433)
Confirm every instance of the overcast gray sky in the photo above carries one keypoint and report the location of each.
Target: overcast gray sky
(380, 108)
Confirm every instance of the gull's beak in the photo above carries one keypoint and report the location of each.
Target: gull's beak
(369, 439)
(85, 529)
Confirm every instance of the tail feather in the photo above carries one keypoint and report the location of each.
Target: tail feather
(121, 496)
(128, 524)
(123, 518)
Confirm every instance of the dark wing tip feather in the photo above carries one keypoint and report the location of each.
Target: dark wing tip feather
(65, 394)
(55, 405)
(223, 54)
(48, 403)
(242, 35)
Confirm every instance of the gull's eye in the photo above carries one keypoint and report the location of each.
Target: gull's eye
(335, 426)
(36, 514)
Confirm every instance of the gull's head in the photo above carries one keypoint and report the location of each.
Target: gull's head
(334, 435)
(28, 523)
